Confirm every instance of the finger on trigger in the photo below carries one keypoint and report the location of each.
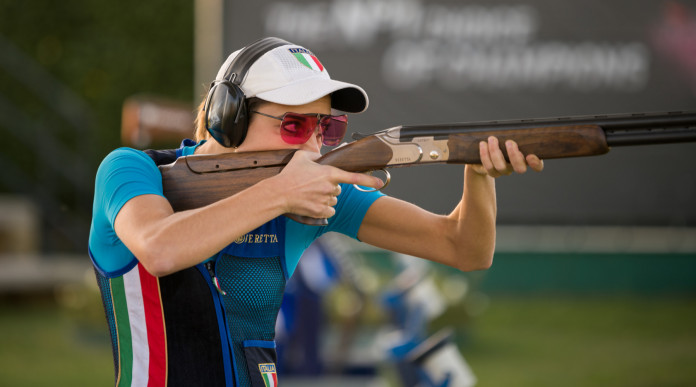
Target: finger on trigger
(371, 181)
(361, 179)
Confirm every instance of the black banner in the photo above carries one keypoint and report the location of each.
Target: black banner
(453, 61)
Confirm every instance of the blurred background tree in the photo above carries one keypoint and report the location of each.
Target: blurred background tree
(65, 70)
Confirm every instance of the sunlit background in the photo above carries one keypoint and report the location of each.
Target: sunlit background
(595, 270)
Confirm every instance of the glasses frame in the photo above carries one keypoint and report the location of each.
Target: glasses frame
(320, 117)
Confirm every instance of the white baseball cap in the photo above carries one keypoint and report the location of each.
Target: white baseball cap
(292, 75)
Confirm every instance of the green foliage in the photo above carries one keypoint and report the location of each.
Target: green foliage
(516, 341)
(592, 341)
(78, 61)
(44, 347)
(106, 51)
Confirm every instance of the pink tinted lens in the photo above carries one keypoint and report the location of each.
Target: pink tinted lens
(297, 128)
(333, 129)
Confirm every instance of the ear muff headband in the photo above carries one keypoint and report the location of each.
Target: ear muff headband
(226, 115)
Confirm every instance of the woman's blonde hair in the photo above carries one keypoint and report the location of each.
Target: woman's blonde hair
(201, 133)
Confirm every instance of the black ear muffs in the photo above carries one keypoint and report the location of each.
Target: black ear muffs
(226, 115)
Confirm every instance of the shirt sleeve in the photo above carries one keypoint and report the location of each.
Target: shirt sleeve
(124, 174)
(350, 210)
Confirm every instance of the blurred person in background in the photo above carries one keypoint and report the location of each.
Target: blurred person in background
(191, 297)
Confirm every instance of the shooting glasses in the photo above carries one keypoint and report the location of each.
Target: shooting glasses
(296, 128)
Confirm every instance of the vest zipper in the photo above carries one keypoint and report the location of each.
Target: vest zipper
(210, 265)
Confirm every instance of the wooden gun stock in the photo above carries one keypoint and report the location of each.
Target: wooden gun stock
(199, 180)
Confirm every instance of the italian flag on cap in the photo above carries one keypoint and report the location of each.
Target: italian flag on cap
(307, 58)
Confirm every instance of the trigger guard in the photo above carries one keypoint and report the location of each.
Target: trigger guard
(386, 173)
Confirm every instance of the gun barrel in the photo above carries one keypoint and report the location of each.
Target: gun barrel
(667, 135)
(620, 129)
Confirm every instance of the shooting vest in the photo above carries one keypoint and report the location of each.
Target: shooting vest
(209, 325)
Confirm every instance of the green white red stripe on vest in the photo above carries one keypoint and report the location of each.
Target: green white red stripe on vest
(142, 348)
(307, 58)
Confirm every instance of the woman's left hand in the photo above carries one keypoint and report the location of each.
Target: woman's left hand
(493, 161)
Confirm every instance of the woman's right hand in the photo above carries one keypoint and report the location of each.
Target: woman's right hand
(311, 189)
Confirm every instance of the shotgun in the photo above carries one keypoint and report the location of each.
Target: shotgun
(198, 180)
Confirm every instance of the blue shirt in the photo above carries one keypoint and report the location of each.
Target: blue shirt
(126, 173)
